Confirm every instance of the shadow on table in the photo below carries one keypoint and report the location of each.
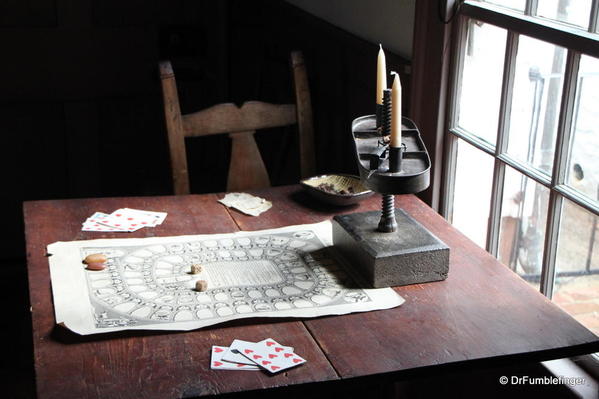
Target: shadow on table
(65, 336)
(302, 198)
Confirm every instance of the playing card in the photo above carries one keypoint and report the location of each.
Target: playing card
(97, 215)
(93, 223)
(126, 221)
(156, 217)
(246, 203)
(271, 356)
(232, 354)
(93, 226)
(216, 362)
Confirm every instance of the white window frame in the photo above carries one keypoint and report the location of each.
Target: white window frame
(576, 42)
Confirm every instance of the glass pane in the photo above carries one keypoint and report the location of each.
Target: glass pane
(583, 165)
(575, 12)
(472, 192)
(536, 102)
(513, 4)
(523, 220)
(480, 92)
(576, 287)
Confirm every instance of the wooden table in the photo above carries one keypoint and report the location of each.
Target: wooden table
(482, 315)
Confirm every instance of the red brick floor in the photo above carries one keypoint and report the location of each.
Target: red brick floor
(579, 296)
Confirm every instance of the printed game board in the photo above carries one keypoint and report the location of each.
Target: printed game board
(147, 284)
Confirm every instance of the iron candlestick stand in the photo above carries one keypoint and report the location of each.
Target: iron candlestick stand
(388, 247)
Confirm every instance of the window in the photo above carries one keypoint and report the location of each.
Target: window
(522, 155)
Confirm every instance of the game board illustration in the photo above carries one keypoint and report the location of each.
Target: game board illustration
(147, 283)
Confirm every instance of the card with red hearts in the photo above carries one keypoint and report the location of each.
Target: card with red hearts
(217, 362)
(154, 218)
(124, 219)
(271, 356)
(233, 355)
(93, 223)
(128, 221)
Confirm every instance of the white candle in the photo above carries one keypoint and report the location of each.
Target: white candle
(396, 112)
(381, 76)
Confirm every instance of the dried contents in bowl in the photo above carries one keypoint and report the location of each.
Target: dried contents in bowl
(337, 185)
(330, 188)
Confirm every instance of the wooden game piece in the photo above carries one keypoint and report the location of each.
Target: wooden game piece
(196, 269)
(95, 266)
(95, 258)
(95, 261)
(201, 285)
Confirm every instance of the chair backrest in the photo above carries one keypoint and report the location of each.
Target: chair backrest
(246, 169)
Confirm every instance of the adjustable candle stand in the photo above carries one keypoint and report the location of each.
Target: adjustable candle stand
(389, 247)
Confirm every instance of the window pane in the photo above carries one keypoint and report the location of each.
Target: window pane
(472, 192)
(481, 80)
(577, 268)
(536, 102)
(583, 169)
(575, 12)
(513, 4)
(523, 220)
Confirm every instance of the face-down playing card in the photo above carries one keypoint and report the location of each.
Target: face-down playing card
(270, 355)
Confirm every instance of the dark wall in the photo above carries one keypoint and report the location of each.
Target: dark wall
(80, 101)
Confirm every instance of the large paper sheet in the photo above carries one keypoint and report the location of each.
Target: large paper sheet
(286, 272)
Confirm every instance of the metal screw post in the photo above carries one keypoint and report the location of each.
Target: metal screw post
(386, 113)
(388, 224)
(379, 115)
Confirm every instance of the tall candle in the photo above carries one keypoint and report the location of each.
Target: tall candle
(396, 112)
(381, 76)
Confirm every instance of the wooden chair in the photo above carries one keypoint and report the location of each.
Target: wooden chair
(246, 169)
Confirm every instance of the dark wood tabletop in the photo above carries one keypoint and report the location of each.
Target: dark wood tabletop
(482, 315)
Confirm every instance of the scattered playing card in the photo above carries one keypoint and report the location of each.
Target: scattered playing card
(217, 363)
(271, 356)
(124, 219)
(156, 218)
(246, 203)
(233, 354)
(93, 223)
(131, 221)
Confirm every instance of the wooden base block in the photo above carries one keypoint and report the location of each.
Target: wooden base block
(410, 255)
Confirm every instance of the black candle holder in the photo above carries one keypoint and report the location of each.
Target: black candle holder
(379, 115)
(388, 246)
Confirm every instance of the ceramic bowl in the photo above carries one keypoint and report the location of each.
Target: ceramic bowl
(336, 189)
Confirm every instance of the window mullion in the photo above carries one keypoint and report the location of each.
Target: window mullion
(458, 49)
(594, 16)
(564, 127)
(576, 197)
(451, 156)
(560, 164)
(451, 142)
(509, 71)
(495, 209)
(531, 7)
(546, 30)
(554, 216)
